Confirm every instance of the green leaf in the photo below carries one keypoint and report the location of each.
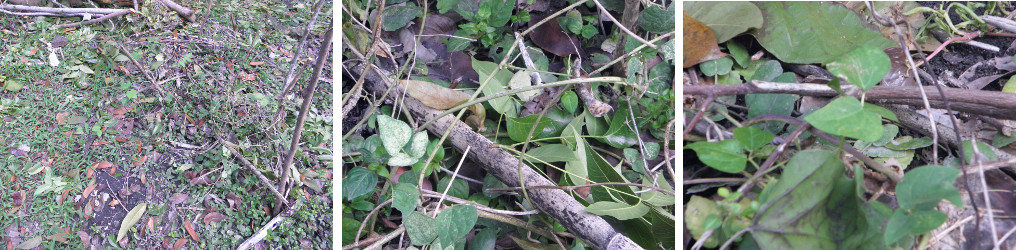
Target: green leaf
(588, 31)
(775, 104)
(421, 228)
(657, 20)
(813, 32)
(359, 181)
(620, 134)
(400, 159)
(394, 133)
(571, 22)
(523, 79)
(503, 105)
(132, 218)
(501, 12)
(1001, 140)
(727, 155)
(551, 153)
(726, 19)
(578, 168)
(396, 17)
(738, 52)
(844, 116)
(570, 101)
(923, 187)
(455, 222)
(485, 239)
(696, 213)
(405, 197)
(809, 207)
(983, 148)
(716, 67)
(864, 66)
(920, 222)
(618, 210)
(419, 145)
(883, 112)
(518, 128)
(657, 198)
(752, 138)
(459, 188)
(13, 85)
(446, 5)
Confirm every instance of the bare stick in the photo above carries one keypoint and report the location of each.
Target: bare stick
(260, 176)
(97, 20)
(620, 25)
(187, 14)
(14, 7)
(326, 46)
(271, 225)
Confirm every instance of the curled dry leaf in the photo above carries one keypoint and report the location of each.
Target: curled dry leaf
(178, 198)
(699, 43)
(88, 190)
(551, 38)
(179, 243)
(438, 97)
(202, 180)
(213, 217)
(190, 230)
(101, 165)
(85, 238)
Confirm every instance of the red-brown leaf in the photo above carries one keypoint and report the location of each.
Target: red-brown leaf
(699, 43)
(213, 217)
(190, 230)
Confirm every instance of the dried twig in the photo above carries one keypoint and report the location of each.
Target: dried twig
(187, 14)
(97, 20)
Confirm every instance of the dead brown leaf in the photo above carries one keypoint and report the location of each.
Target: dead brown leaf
(190, 230)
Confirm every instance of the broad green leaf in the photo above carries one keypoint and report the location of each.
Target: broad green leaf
(421, 228)
(571, 22)
(983, 148)
(455, 222)
(695, 213)
(446, 5)
(657, 198)
(394, 133)
(551, 153)
(518, 128)
(752, 138)
(570, 101)
(919, 222)
(503, 105)
(396, 17)
(400, 159)
(500, 12)
(865, 66)
(132, 218)
(621, 211)
(883, 112)
(485, 239)
(727, 155)
(1000, 140)
(600, 172)
(844, 116)
(726, 19)
(13, 85)
(738, 52)
(889, 132)
(813, 32)
(578, 168)
(359, 181)
(923, 187)
(405, 197)
(775, 104)
(620, 134)
(657, 20)
(419, 145)
(812, 206)
(716, 67)
(459, 188)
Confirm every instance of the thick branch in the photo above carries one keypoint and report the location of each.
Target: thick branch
(58, 10)
(104, 18)
(187, 14)
(990, 103)
(592, 229)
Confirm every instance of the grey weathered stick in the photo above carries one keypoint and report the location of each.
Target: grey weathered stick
(103, 18)
(58, 10)
(187, 14)
(561, 206)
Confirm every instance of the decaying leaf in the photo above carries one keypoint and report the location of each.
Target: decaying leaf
(438, 97)
(699, 43)
(551, 38)
(190, 230)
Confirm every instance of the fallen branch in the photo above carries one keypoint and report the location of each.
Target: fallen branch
(103, 18)
(270, 226)
(187, 14)
(264, 180)
(990, 103)
(308, 96)
(559, 205)
(70, 11)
